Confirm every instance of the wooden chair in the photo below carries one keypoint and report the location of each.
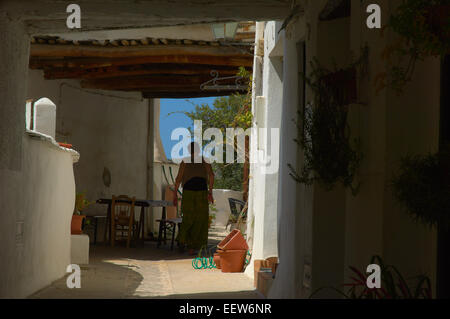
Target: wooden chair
(237, 215)
(169, 220)
(122, 218)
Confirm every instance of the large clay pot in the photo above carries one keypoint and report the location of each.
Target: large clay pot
(234, 241)
(232, 260)
(77, 225)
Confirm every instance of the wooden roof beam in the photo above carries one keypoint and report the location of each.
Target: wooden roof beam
(59, 50)
(141, 83)
(87, 63)
(184, 95)
(140, 69)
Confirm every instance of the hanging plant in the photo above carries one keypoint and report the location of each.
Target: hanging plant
(423, 187)
(331, 155)
(424, 29)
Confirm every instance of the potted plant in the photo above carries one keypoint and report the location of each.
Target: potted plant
(78, 219)
(422, 186)
(343, 85)
(332, 155)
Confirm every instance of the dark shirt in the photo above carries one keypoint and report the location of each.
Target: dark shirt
(196, 184)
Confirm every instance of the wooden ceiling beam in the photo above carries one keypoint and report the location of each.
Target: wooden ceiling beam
(58, 50)
(87, 63)
(184, 95)
(244, 36)
(140, 83)
(141, 69)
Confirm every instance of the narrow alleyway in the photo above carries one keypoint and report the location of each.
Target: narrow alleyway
(149, 272)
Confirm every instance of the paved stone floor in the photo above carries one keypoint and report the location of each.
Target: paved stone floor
(149, 272)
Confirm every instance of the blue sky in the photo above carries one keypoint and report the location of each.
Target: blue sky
(173, 121)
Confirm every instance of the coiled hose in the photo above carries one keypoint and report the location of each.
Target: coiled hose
(208, 262)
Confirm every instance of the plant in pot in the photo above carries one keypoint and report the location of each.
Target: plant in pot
(78, 219)
(422, 186)
(332, 154)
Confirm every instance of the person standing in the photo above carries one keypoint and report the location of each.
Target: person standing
(197, 180)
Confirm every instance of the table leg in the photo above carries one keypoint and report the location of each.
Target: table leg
(95, 230)
(178, 242)
(174, 229)
(107, 224)
(160, 233)
(165, 228)
(142, 223)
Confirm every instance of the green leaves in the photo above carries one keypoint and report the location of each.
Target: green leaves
(422, 186)
(331, 154)
(424, 28)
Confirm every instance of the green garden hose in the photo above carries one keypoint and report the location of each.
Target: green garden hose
(208, 262)
(205, 263)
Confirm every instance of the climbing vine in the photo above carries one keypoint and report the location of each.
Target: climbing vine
(424, 30)
(331, 155)
(244, 117)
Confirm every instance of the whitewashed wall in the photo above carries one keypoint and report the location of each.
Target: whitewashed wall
(222, 205)
(109, 129)
(324, 232)
(37, 190)
(263, 193)
(36, 231)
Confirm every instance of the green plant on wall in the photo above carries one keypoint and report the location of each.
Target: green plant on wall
(422, 186)
(423, 27)
(331, 155)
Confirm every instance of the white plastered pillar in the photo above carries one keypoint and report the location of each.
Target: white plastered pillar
(14, 54)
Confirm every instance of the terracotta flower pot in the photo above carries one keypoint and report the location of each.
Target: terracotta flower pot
(271, 262)
(65, 145)
(77, 225)
(216, 259)
(232, 260)
(343, 83)
(234, 241)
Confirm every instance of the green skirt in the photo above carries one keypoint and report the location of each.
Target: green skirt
(194, 228)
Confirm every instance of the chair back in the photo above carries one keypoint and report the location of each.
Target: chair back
(122, 210)
(233, 206)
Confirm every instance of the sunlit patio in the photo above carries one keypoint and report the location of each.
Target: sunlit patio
(151, 272)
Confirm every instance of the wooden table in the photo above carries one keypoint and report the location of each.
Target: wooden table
(143, 203)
